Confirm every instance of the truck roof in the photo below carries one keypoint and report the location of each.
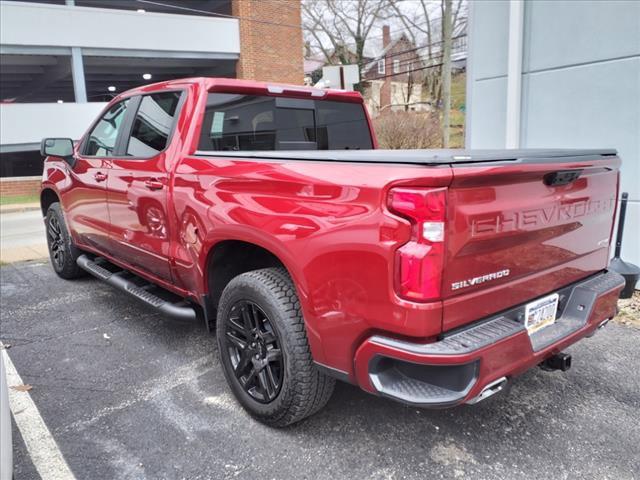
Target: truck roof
(250, 87)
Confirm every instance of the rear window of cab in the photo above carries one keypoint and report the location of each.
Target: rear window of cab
(234, 122)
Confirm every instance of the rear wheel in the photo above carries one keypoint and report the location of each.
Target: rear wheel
(264, 350)
(62, 251)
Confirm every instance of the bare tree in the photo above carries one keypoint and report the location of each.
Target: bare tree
(423, 28)
(339, 29)
(417, 22)
(409, 91)
(446, 71)
(407, 87)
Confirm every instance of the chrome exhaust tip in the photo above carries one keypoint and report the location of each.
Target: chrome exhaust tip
(600, 326)
(489, 390)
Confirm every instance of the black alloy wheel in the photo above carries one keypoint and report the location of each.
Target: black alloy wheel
(56, 242)
(62, 251)
(254, 351)
(264, 351)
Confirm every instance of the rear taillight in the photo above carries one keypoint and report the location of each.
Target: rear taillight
(419, 262)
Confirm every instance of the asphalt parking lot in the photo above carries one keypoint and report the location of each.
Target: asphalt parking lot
(127, 393)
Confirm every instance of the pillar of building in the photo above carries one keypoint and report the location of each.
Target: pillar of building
(270, 40)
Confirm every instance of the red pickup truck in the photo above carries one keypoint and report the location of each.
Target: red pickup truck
(431, 277)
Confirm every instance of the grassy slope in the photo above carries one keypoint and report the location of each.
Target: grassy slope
(5, 200)
(458, 101)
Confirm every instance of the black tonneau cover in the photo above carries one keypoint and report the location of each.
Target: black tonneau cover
(419, 157)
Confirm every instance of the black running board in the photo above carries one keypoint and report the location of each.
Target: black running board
(124, 281)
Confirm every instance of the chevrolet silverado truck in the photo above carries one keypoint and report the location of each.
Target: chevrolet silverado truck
(431, 277)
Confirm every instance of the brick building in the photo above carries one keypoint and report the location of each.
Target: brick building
(270, 40)
(63, 59)
(392, 79)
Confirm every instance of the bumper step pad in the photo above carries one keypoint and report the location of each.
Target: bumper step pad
(422, 385)
(458, 343)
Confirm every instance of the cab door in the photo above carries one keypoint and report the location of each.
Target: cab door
(138, 184)
(86, 202)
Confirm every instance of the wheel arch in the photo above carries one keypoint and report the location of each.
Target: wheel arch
(47, 197)
(229, 258)
(232, 257)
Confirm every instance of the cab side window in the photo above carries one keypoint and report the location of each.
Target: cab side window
(239, 122)
(102, 139)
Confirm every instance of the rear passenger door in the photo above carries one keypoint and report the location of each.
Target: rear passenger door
(139, 181)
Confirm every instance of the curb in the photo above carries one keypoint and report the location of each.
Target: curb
(19, 207)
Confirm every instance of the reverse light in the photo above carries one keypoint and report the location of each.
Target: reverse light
(433, 231)
(419, 262)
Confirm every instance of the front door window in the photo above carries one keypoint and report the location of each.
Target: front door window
(102, 139)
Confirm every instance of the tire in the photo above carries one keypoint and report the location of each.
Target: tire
(276, 389)
(62, 252)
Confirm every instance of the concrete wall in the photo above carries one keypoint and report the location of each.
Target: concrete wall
(580, 83)
(64, 26)
(29, 123)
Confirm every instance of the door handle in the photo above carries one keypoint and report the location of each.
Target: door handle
(153, 184)
(99, 176)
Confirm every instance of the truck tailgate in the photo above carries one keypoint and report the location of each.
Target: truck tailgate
(516, 231)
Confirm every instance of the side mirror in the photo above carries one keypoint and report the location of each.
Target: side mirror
(58, 147)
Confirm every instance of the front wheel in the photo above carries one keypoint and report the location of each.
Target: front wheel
(62, 251)
(264, 350)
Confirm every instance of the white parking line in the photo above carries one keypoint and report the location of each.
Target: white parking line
(42, 448)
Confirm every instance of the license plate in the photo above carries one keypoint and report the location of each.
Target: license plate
(541, 313)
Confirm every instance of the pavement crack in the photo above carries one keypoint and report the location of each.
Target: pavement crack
(63, 335)
(149, 389)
